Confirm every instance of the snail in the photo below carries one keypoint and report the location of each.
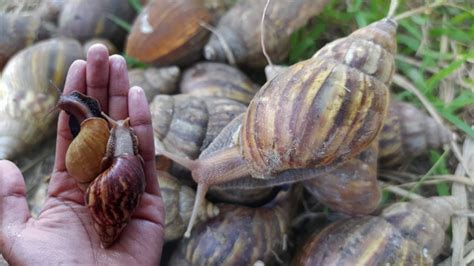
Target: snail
(49, 10)
(407, 133)
(310, 118)
(151, 41)
(238, 236)
(84, 20)
(218, 80)
(179, 200)
(155, 80)
(352, 188)
(114, 195)
(241, 37)
(406, 233)
(217, 8)
(19, 31)
(26, 93)
(86, 151)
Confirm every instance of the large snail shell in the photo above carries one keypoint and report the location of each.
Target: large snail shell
(352, 188)
(84, 19)
(152, 41)
(217, 8)
(114, 195)
(319, 111)
(407, 133)
(237, 236)
(26, 93)
(179, 200)
(405, 234)
(240, 29)
(155, 80)
(218, 80)
(85, 153)
(18, 31)
(49, 10)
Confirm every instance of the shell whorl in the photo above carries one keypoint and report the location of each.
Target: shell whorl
(155, 80)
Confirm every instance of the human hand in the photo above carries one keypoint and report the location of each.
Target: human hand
(64, 233)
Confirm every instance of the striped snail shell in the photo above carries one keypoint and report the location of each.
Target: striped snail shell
(155, 81)
(218, 80)
(404, 234)
(179, 200)
(18, 31)
(407, 133)
(242, 36)
(26, 93)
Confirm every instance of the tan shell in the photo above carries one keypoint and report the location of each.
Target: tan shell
(155, 81)
(26, 93)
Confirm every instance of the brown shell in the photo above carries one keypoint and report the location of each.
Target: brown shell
(84, 19)
(237, 236)
(218, 80)
(86, 151)
(151, 39)
(352, 188)
(26, 93)
(240, 29)
(114, 195)
(404, 234)
(320, 111)
(18, 31)
(179, 201)
(155, 81)
(408, 133)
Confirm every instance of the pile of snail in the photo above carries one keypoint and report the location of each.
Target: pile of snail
(235, 158)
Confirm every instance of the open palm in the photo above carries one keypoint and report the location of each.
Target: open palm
(63, 233)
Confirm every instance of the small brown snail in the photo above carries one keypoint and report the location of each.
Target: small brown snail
(84, 20)
(179, 201)
(115, 194)
(242, 36)
(86, 151)
(404, 234)
(351, 188)
(218, 80)
(407, 133)
(311, 117)
(155, 81)
(26, 93)
(152, 41)
(237, 236)
(18, 31)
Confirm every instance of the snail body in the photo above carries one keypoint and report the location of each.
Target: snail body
(18, 31)
(151, 41)
(218, 80)
(404, 234)
(407, 133)
(313, 116)
(115, 194)
(242, 36)
(155, 81)
(26, 93)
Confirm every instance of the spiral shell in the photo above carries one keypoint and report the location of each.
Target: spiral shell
(218, 80)
(237, 236)
(352, 188)
(18, 31)
(407, 133)
(179, 200)
(26, 93)
(155, 81)
(152, 41)
(84, 20)
(323, 110)
(404, 234)
(242, 36)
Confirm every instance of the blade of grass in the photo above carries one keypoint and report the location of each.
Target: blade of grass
(120, 22)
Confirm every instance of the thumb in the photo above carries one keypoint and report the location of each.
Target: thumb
(13, 206)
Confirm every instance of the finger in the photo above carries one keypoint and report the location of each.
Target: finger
(140, 119)
(118, 88)
(13, 205)
(75, 80)
(97, 74)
